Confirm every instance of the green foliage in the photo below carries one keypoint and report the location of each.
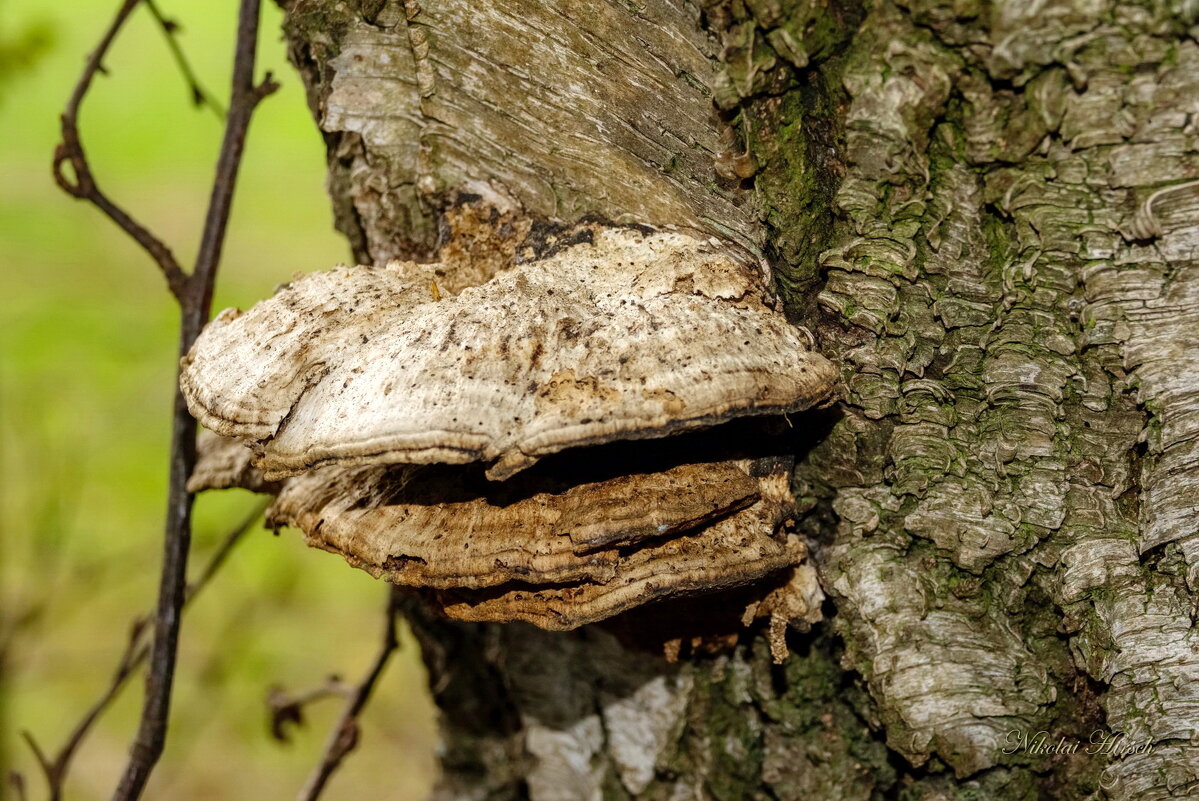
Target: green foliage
(21, 49)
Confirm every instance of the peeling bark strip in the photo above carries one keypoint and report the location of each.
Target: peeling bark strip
(575, 108)
(1005, 512)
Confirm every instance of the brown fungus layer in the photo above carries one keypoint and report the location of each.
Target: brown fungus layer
(627, 336)
(432, 431)
(437, 526)
(731, 552)
(561, 556)
(566, 543)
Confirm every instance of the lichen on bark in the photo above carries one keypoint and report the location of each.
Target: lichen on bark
(998, 379)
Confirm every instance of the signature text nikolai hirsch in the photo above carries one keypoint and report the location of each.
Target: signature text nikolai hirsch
(1102, 743)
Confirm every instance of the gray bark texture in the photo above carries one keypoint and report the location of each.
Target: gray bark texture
(984, 212)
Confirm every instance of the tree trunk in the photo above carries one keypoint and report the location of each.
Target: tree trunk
(962, 201)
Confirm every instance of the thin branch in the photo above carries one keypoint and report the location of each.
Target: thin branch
(199, 95)
(221, 554)
(194, 295)
(196, 305)
(55, 771)
(246, 96)
(17, 782)
(38, 753)
(287, 709)
(132, 658)
(83, 185)
(344, 737)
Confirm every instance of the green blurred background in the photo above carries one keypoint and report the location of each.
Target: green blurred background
(87, 339)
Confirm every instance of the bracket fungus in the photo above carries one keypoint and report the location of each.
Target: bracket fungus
(403, 421)
(629, 336)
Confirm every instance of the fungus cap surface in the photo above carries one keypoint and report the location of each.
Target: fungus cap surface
(631, 335)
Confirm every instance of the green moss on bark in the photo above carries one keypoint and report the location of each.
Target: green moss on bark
(781, 83)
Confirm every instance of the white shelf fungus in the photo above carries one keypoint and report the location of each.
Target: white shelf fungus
(360, 397)
(630, 336)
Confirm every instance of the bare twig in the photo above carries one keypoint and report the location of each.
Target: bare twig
(38, 753)
(83, 186)
(244, 99)
(55, 770)
(132, 658)
(17, 782)
(196, 305)
(194, 295)
(221, 554)
(199, 95)
(344, 737)
(287, 709)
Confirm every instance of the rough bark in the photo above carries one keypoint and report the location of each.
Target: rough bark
(963, 200)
